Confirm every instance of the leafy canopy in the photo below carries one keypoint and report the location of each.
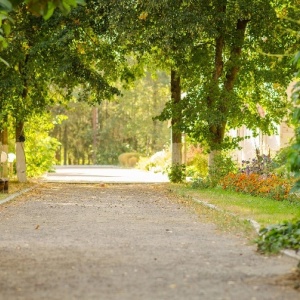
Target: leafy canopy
(43, 8)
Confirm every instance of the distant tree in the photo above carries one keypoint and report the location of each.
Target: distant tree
(124, 124)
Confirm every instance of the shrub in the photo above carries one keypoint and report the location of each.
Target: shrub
(158, 162)
(262, 165)
(197, 166)
(177, 173)
(201, 183)
(128, 159)
(222, 165)
(281, 168)
(274, 238)
(265, 165)
(40, 147)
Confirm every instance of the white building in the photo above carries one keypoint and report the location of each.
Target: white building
(264, 143)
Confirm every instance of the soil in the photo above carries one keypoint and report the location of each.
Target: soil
(97, 241)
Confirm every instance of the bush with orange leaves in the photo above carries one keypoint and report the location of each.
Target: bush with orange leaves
(259, 185)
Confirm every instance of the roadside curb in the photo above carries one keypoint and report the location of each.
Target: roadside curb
(255, 225)
(17, 194)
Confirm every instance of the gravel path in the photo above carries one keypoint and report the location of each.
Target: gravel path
(64, 241)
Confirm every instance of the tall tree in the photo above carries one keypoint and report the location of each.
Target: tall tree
(176, 118)
(160, 34)
(294, 154)
(234, 69)
(50, 58)
(291, 16)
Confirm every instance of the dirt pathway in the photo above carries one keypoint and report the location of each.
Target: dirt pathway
(64, 241)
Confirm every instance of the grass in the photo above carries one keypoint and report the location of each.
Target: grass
(223, 220)
(263, 210)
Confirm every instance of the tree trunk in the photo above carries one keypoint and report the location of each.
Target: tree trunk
(65, 143)
(236, 52)
(20, 152)
(95, 123)
(211, 158)
(4, 142)
(217, 130)
(176, 134)
(58, 152)
(153, 145)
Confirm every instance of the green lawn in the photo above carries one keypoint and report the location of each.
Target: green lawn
(262, 210)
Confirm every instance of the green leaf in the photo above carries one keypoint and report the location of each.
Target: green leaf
(49, 11)
(296, 59)
(6, 28)
(5, 5)
(4, 61)
(80, 2)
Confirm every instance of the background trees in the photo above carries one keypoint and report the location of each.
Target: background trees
(101, 133)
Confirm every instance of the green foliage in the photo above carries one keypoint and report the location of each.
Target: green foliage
(5, 24)
(237, 65)
(57, 57)
(274, 238)
(177, 173)
(51, 61)
(46, 8)
(294, 153)
(198, 166)
(221, 166)
(279, 163)
(158, 162)
(43, 8)
(130, 118)
(40, 147)
(122, 125)
(201, 183)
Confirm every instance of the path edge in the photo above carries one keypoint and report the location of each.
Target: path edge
(17, 194)
(254, 224)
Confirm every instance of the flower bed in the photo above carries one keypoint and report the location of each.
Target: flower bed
(258, 185)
